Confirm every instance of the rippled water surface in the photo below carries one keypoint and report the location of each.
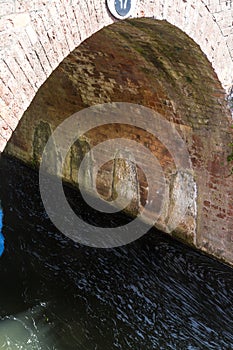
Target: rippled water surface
(152, 294)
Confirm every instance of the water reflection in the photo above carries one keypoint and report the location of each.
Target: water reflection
(152, 294)
(23, 332)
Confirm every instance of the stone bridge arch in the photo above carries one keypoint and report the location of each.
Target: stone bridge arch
(37, 35)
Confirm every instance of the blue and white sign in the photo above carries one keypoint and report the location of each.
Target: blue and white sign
(122, 9)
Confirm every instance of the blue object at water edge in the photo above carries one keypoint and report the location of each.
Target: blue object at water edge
(1, 235)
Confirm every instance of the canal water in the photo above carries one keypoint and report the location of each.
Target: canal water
(155, 293)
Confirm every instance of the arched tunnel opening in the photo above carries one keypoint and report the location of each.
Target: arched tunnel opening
(157, 68)
(153, 64)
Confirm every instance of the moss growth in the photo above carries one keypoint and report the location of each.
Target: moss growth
(188, 79)
(41, 136)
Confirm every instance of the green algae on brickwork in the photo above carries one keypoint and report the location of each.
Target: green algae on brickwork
(177, 62)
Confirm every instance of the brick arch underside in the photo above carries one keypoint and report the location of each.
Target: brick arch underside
(37, 36)
(154, 64)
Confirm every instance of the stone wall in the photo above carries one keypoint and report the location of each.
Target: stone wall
(36, 36)
(154, 64)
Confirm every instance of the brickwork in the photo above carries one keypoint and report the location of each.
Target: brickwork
(184, 89)
(35, 37)
(222, 12)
